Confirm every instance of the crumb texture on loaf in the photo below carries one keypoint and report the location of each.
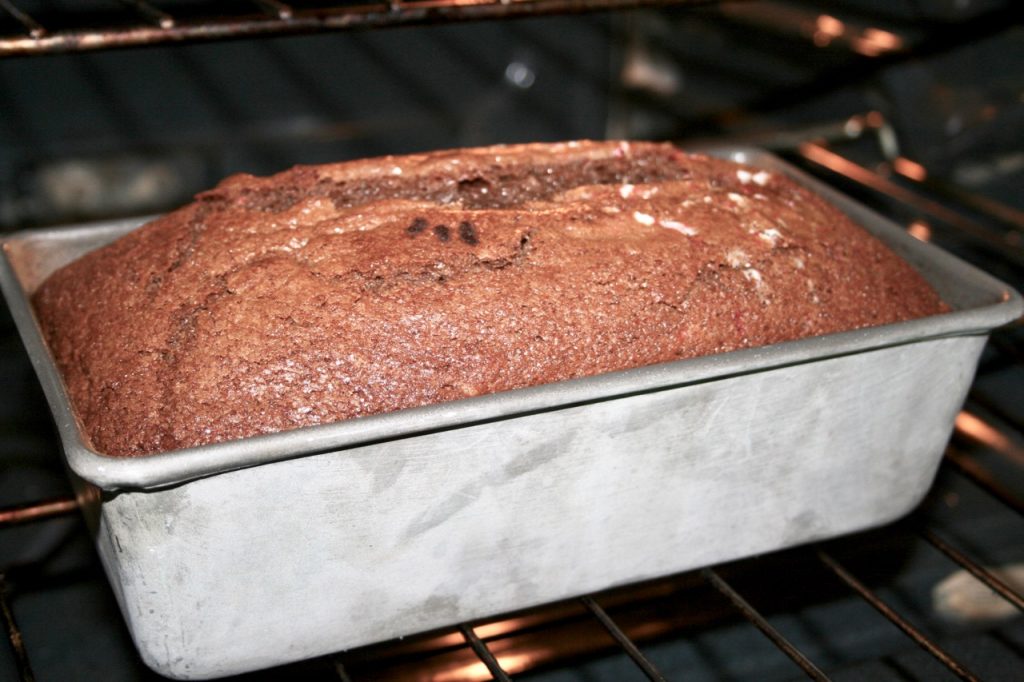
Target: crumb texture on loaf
(329, 292)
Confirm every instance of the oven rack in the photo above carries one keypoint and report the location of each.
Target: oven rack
(131, 23)
(984, 441)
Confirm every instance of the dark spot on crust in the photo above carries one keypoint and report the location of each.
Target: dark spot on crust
(340, 197)
(474, 192)
(467, 233)
(153, 284)
(442, 232)
(271, 201)
(209, 203)
(471, 184)
(417, 226)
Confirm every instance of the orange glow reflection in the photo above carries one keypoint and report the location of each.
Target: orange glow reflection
(484, 631)
(451, 639)
(920, 230)
(982, 432)
(910, 169)
(874, 41)
(477, 671)
(500, 627)
(864, 47)
(826, 28)
(831, 26)
(883, 40)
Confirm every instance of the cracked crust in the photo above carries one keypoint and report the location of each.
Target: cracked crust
(330, 292)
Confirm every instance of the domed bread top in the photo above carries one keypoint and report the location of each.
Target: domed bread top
(330, 292)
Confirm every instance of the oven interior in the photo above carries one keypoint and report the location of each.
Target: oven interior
(915, 108)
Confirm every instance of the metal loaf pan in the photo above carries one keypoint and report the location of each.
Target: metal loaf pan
(252, 553)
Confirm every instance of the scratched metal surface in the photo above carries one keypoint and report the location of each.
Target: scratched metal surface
(297, 558)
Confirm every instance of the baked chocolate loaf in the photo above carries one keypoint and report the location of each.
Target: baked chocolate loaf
(329, 292)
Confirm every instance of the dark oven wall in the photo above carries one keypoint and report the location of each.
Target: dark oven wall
(134, 131)
(89, 136)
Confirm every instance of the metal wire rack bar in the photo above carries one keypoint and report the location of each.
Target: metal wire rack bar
(339, 670)
(14, 516)
(484, 654)
(152, 14)
(896, 619)
(761, 623)
(37, 511)
(14, 635)
(32, 27)
(1007, 244)
(625, 642)
(990, 208)
(283, 19)
(983, 431)
(997, 410)
(983, 479)
(276, 9)
(974, 568)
